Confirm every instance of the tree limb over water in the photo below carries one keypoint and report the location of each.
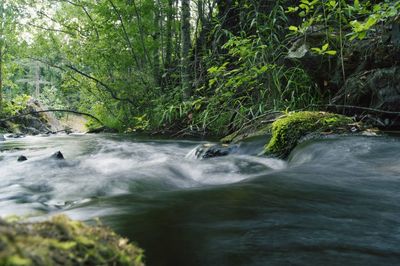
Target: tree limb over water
(52, 110)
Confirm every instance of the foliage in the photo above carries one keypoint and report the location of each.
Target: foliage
(16, 105)
(246, 79)
(51, 98)
(123, 60)
(287, 130)
(335, 16)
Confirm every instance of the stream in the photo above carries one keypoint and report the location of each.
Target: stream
(335, 201)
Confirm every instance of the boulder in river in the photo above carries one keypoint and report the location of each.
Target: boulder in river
(22, 158)
(205, 151)
(15, 136)
(290, 128)
(62, 241)
(57, 156)
(2, 138)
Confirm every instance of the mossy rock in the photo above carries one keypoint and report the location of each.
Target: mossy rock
(289, 129)
(62, 241)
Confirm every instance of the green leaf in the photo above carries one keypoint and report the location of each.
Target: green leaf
(317, 50)
(292, 9)
(372, 20)
(357, 4)
(362, 35)
(357, 26)
(377, 8)
(325, 47)
(294, 28)
(331, 52)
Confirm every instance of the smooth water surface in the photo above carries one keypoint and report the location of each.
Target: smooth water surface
(334, 202)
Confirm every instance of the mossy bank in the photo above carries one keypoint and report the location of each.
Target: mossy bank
(62, 241)
(289, 129)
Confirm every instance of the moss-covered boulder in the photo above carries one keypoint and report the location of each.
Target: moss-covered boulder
(62, 241)
(289, 129)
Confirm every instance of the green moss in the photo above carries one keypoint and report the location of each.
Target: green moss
(287, 130)
(62, 241)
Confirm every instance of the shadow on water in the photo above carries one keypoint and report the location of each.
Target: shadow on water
(335, 201)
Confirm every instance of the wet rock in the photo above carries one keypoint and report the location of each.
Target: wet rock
(22, 158)
(2, 138)
(214, 150)
(15, 136)
(57, 156)
(32, 131)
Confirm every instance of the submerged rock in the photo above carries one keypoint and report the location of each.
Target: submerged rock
(214, 150)
(22, 158)
(289, 129)
(62, 241)
(57, 156)
(15, 136)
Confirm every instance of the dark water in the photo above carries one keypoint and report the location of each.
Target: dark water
(334, 202)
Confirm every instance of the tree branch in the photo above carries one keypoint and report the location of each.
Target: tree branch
(105, 86)
(109, 89)
(51, 110)
(126, 37)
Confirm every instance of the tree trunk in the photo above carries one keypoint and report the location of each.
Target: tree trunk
(157, 46)
(37, 81)
(1, 52)
(1, 77)
(168, 49)
(186, 44)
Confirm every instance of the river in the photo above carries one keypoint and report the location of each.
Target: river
(335, 201)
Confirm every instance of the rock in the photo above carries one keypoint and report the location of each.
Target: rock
(32, 131)
(29, 121)
(370, 66)
(15, 136)
(377, 88)
(2, 138)
(57, 156)
(22, 158)
(214, 150)
(62, 241)
(289, 129)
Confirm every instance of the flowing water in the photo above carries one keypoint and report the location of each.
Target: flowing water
(336, 201)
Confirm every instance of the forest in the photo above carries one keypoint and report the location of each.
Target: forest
(199, 132)
(201, 67)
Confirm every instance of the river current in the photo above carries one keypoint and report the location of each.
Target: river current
(335, 201)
